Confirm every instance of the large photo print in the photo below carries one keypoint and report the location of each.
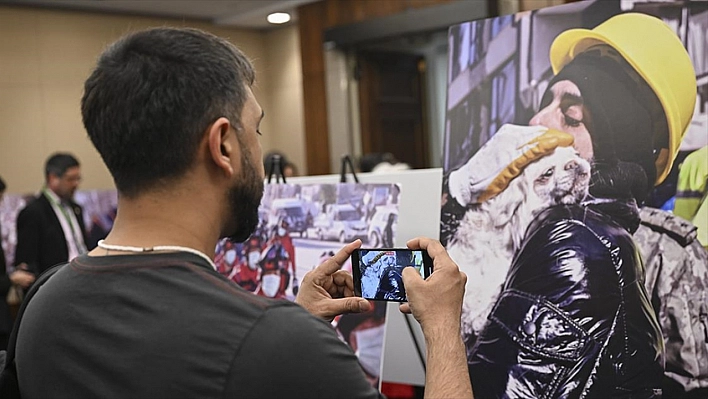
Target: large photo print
(565, 197)
(300, 227)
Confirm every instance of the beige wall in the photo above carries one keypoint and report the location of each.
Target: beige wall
(281, 77)
(45, 56)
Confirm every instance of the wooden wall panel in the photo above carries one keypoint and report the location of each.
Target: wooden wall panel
(314, 18)
(343, 12)
(311, 25)
(528, 5)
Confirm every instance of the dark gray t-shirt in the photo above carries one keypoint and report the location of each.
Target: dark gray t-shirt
(169, 326)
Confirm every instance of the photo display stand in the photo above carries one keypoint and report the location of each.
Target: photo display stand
(276, 170)
(403, 358)
(347, 162)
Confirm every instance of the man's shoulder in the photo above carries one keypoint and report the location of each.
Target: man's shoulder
(284, 312)
(570, 217)
(656, 223)
(35, 204)
(36, 208)
(576, 226)
(167, 274)
(198, 295)
(669, 240)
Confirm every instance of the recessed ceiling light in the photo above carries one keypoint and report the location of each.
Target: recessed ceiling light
(278, 17)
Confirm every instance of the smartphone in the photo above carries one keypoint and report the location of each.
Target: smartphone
(377, 272)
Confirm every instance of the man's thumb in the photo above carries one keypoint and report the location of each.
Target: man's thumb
(410, 276)
(350, 305)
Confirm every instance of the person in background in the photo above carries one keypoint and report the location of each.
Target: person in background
(282, 231)
(387, 236)
(692, 191)
(149, 315)
(676, 264)
(17, 277)
(50, 229)
(278, 158)
(290, 170)
(381, 162)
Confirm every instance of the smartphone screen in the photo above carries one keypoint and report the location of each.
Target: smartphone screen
(377, 272)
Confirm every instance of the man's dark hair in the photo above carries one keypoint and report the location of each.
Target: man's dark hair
(58, 163)
(151, 97)
(3, 186)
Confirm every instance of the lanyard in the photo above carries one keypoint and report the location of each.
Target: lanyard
(80, 246)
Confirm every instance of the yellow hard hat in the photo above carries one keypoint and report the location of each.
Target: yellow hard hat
(658, 56)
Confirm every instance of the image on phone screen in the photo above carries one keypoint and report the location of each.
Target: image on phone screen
(378, 272)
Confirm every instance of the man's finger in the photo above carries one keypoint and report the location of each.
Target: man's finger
(437, 252)
(347, 292)
(404, 308)
(347, 305)
(415, 243)
(336, 262)
(433, 247)
(411, 277)
(343, 279)
(463, 277)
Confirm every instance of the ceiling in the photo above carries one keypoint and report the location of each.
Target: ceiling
(246, 14)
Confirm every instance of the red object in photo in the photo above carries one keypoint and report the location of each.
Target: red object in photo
(398, 391)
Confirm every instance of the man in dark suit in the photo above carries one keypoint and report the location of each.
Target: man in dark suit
(50, 229)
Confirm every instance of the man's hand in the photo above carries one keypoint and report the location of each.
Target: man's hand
(21, 277)
(437, 305)
(437, 301)
(327, 291)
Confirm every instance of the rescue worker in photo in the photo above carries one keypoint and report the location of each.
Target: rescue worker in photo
(391, 283)
(247, 273)
(574, 318)
(283, 231)
(226, 257)
(274, 263)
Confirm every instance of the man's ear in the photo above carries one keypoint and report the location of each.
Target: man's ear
(51, 180)
(221, 148)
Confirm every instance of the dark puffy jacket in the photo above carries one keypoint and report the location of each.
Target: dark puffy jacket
(573, 319)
